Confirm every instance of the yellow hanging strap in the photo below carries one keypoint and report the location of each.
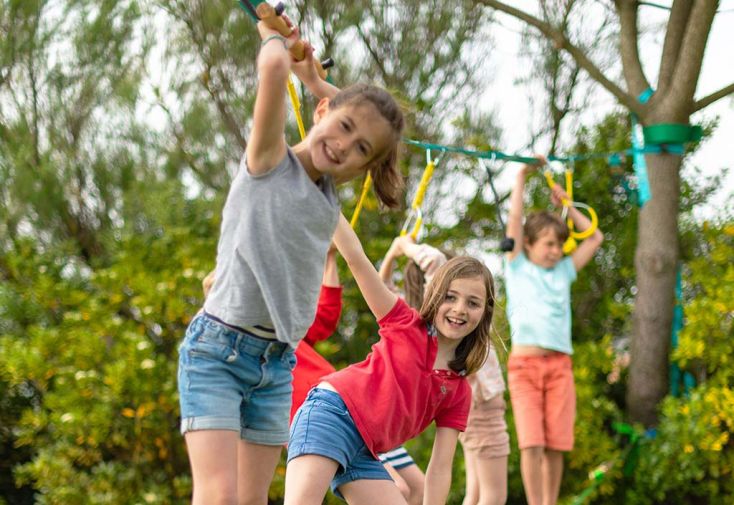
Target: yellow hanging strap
(296, 107)
(570, 245)
(415, 209)
(365, 189)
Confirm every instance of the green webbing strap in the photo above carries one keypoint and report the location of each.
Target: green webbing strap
(629, 457)
(499, 155)
(638, 158)
(676, 375)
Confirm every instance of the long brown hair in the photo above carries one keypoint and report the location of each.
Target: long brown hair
(471, 353)
(387, 179)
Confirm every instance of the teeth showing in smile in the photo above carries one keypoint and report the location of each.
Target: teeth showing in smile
(330, 154)
(455, 321)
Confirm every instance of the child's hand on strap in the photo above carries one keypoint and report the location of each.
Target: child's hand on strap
(429, 259)
(531, 168)
(559, 196)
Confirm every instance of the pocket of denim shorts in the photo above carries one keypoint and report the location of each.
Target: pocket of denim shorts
(208, 344)
(291, 360)
(327, 405)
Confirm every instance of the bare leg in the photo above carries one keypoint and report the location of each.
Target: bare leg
(415, 481)
(471, 495)
(492, 477)
(256, 464)
(213, 457)
(307, 479)
(552, 474)
(398, 480)
(531, 462)
(369, 492)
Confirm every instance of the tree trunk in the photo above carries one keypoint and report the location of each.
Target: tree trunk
(656, 260)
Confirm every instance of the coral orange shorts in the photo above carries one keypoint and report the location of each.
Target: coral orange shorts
(543, 400)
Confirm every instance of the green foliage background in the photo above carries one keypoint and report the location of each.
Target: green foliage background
(108, 224)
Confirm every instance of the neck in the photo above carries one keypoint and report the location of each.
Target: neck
(445, 353)
(303, 153)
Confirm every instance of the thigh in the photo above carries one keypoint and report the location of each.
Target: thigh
(213, 457)
(369, 492)
(492, 477)
(414, 478)
(209, 393)
(560, 406)
(526, 395)
(307, 479)
(266, 409)
(256, 465)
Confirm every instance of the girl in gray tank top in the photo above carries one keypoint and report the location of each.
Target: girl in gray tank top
(281, 212)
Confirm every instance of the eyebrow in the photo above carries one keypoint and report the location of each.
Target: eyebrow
(471, 297)
(354, 126)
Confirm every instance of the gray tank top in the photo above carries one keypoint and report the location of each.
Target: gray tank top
(276, 229)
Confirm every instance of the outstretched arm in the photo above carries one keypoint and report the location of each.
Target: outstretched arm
(266, 146)
(306, 72)
(515, 216)
(588, 247)
(438, 473)
(377, 295)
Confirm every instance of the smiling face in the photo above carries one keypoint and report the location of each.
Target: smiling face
(347, 139)
(462, 308)
(547, 250)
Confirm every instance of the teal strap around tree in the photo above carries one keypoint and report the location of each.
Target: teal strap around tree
(678, 378)
(638, 157)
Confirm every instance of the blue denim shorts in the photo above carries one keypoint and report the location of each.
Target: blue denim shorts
(324, 427)
(231, 380)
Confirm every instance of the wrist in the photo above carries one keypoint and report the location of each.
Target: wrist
(275, 36)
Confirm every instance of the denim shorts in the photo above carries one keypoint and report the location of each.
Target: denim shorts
(231, 380)
(323, 426)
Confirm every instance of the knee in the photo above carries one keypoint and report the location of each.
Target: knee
(261, 499)
(216, 495)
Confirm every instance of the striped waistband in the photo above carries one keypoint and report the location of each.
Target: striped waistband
(258, 331)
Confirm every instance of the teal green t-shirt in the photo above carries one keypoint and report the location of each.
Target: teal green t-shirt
(539, 303)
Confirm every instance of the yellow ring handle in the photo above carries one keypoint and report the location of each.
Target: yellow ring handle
(588, 232)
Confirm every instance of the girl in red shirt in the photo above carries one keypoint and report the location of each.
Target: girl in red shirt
(413, 377)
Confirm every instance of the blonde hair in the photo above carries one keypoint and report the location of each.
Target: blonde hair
(386, 177)
(471, 353)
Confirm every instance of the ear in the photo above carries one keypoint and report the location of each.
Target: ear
(321, 110)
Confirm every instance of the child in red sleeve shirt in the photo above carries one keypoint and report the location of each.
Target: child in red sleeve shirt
(413, 376)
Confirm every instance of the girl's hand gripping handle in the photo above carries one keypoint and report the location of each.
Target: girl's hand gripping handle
(271, 16)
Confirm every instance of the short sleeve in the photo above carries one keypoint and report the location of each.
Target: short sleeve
(456, 412)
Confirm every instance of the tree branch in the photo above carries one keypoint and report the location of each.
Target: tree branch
(673, 40)
(631, 65)
(562, 42)
(708, 100)
(688, 69)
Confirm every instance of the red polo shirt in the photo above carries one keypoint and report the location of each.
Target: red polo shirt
(310, 365)
(395, 393)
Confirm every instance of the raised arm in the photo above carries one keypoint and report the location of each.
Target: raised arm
(306, 72)
(515, 216)
(438, 473)
(588, 247)
(266, 146)
(378, 296)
